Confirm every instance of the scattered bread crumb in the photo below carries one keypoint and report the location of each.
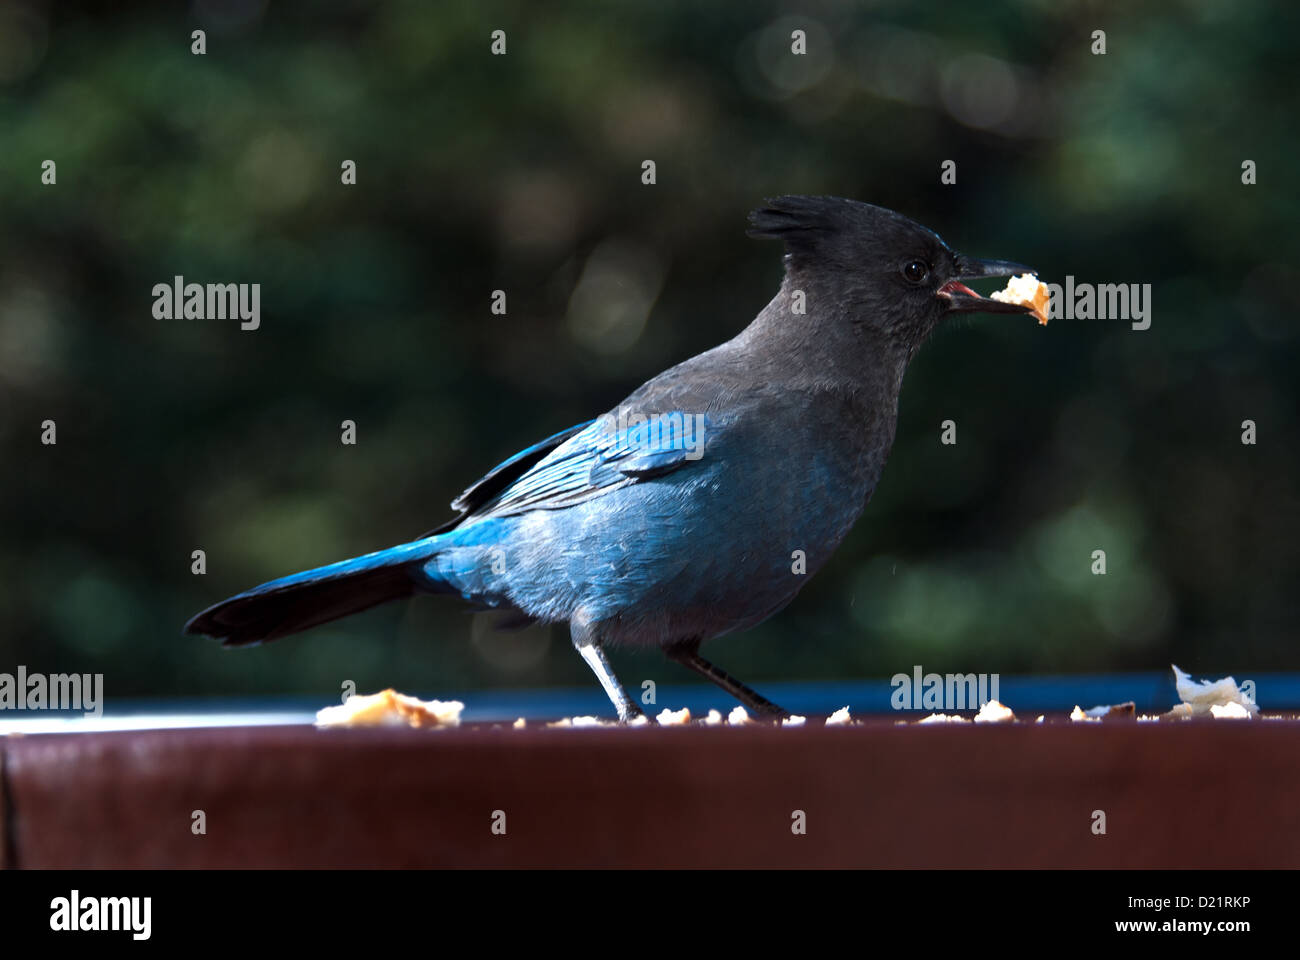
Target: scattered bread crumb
(943, 718)
(1221, 699)
(674, 718)
(839, 717)
(1112, 711)
(1229, 711)
(994, 712)
(1028, 291)
(577, 722)
(1078, 716)
(1201, 696)
(388, 708)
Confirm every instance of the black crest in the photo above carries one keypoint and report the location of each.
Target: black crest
(800, 221)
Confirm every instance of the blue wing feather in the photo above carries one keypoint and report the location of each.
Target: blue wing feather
(594, 461)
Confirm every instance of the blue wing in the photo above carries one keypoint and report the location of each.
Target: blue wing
(501, 476)
(601, 457)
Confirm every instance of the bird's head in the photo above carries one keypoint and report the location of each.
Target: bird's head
(884, 272)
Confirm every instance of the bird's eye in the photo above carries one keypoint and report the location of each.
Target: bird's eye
(915, 271)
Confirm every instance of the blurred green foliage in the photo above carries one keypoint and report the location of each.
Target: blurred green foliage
(522, 173)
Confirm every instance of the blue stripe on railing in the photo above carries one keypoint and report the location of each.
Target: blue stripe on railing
(1026, 695)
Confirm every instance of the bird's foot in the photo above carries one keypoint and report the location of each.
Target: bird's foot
(629, 712)
(770, 712)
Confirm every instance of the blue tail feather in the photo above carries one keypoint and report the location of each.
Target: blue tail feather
(312, 597)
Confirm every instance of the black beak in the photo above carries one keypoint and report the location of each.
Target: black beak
(962, 299)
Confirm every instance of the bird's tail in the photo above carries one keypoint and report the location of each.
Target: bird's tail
(312, 597)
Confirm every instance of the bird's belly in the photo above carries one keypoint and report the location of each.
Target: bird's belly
(697, 553)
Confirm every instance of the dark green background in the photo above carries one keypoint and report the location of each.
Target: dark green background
(522, 173)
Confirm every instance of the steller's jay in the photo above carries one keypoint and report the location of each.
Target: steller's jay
(676, 517)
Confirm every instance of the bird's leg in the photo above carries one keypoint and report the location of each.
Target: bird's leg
(687, 654)
(588, 647)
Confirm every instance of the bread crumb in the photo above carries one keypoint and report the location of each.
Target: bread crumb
(1078, 716)
(994, 712)
(794, 720)
(1026, 290)
(839, 717)
(1229, 711)
(519, 724)
(713, 718)
(1111, 711)
(738, 716)
(674, 718)
(1202, 696)
(388, 708)
(943, 718)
